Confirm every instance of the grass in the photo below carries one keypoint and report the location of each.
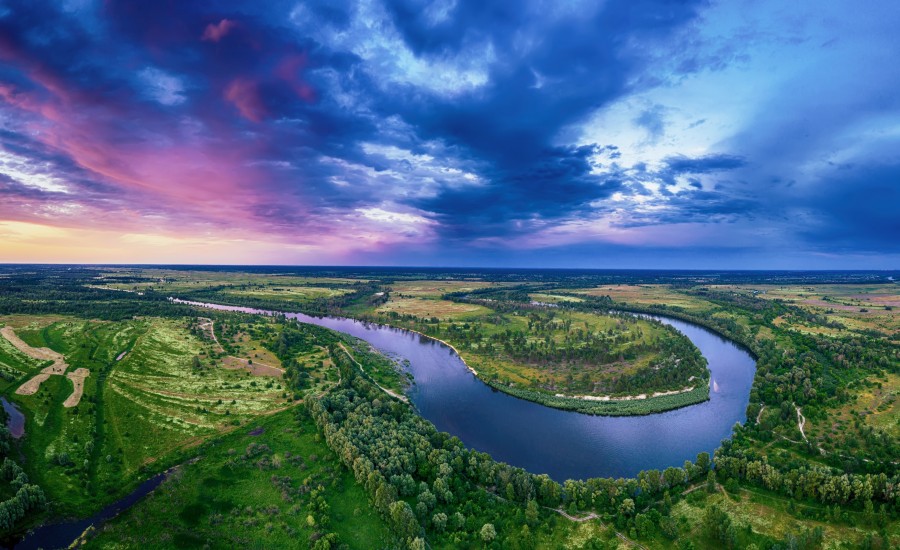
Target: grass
(843, 304)
(238, 496)
(134, 413)
(432, 307)
(298, 294)
(648, 295)
(435, 289)
(760, 515)
(480, 335)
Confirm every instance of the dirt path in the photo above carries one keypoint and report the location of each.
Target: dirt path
(758, 416)
(209, 324)
(77, 379)
(591, 516)
(385, 390)
(32, 386)
(58, 367)
(801, 422)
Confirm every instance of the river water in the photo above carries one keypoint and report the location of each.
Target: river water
(563, 444)
(15, 420)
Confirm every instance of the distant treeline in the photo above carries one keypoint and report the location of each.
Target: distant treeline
(63, 292)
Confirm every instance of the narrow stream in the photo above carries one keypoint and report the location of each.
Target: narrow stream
(15, 419)
(61, 535)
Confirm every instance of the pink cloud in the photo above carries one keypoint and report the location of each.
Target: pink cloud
(243, 93)
(289, 70)
(217, 31)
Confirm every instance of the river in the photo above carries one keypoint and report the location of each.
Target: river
(15, 420)
(563, 444)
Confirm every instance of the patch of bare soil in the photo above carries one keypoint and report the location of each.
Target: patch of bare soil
(41, 354)
(77, 379)
(255, 368)
(32, 386)
(59, 365)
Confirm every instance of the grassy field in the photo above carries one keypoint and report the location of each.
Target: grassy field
(284, 292)
(648, 295)
(143, 400)
(760, 516)
(622, 345)
(432, 307)
(436, 289)
(169, 280)
(252, 491)
(855, 307)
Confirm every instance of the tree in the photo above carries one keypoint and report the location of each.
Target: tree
(711, 482)
(532, 513)
(488, 533)
(404, 520)
(439, 521)
(703, 463)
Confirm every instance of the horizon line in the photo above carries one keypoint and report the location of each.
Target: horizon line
(447, 267)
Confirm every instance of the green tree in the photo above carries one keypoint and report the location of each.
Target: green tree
(404, 520)
(488, 533)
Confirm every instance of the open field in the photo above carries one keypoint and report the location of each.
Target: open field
(253, 491)
(132, 396)
(436, 289)
(427, 308)
(854, 307)
(161, 280)
(300, 294)
(648, 295)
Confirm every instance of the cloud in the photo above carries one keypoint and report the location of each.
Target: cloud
(653, 121)
(704, 165)
(163, 87)
(398, 127)
(217, 31)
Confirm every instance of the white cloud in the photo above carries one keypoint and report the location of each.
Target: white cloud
(30, 173)
(162, 86)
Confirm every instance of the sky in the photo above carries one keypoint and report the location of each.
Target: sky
(531, 133)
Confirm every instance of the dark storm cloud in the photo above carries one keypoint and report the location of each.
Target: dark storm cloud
(464, 118)
(582, 62)
(857, 209)
(703, 165)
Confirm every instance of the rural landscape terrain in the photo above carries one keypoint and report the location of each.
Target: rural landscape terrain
(259, 430)
(450, 274)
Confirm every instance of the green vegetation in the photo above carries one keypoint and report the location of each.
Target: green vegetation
(270, 484)
(561, 354)
(322, 456)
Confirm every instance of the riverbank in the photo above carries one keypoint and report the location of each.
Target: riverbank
(600, 405)
(626, 405)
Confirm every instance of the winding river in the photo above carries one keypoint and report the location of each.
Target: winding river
(563, 444)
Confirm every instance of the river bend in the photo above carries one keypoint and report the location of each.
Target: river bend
(563, 444)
